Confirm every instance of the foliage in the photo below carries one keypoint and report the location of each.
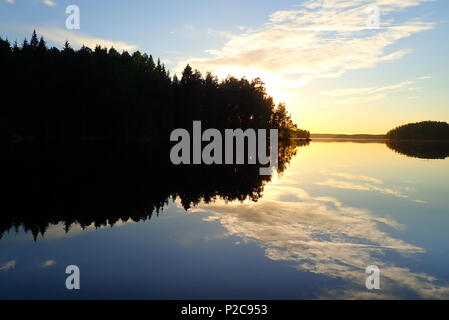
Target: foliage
(426, 130)
(71, 95)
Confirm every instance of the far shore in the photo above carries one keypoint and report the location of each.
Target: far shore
(349, 136)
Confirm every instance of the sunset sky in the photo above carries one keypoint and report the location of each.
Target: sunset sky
(336, 72)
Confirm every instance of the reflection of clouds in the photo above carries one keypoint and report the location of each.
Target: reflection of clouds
(361, 187)
(48, 263)
(322, 236)
(361, 183)
(8, 265)
(352, 176)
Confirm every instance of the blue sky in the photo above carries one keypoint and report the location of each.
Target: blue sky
(335, 74)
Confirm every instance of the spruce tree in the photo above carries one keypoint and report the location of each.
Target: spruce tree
(34, 41)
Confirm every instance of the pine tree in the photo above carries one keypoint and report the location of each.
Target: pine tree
(15, 48)
(67, 46)
(151, 64)
(34, 41)
(42, 46)
(159, 67)
(5, 46)
(187, 75)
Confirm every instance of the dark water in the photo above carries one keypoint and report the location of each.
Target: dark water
(120, 216)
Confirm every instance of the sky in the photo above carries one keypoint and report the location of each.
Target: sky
(338, 68)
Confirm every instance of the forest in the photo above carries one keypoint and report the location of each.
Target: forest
(67, 95)
(426, 130)
(86, 135)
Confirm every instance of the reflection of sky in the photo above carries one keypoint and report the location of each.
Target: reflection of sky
(321, 235)
(337, 209)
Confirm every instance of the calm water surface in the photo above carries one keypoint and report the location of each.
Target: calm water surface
(338, 208)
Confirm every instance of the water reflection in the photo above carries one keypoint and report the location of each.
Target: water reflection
(334, 209)
(421, 149)
(97, 185)
(321, 235)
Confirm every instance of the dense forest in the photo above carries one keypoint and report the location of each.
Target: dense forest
(85, 136)
(71, 95)
(426, 130)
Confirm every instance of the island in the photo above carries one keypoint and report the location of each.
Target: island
(426, 130)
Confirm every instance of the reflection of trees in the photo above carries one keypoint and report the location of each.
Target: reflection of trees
(102, 184)
(421, 149)
(287, 150)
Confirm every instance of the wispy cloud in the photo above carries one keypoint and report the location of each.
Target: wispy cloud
(77, 39)
(352, 176)
(321, 236)
(9, 1)
(48, 263)
(366, 91)
(339, 184)
(361, 95)
(49, 3)
(319, 39)
(8, 265)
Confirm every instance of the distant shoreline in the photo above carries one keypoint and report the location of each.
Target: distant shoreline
(349, 136)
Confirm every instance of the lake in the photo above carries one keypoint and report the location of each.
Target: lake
(308, 233)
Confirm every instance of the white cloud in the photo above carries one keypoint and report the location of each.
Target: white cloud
(321, 236)
(420, 201)
(77, 39)
(318, 39)
(359, 100)
(366, 91)
(48, 263)
(8, 265)
(362, 95)
(9, 1)
(339, 184)
(49, 3)
(352, 176)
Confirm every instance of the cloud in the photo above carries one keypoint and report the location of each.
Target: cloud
(8, 265)
(49, 3)
(352, 176)
(420, 201)
(77, 39)
(320, 235)
(48, 263)
(320, 39)
(9, 1)
(361, 187)
(366, 91)
(362, 95)
(359, 100)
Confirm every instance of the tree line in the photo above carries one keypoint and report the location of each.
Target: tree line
(71, 95)
(426, 130)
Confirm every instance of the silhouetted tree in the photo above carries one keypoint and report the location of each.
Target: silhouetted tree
(426, 130)
(34, 42)
(101, 94)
